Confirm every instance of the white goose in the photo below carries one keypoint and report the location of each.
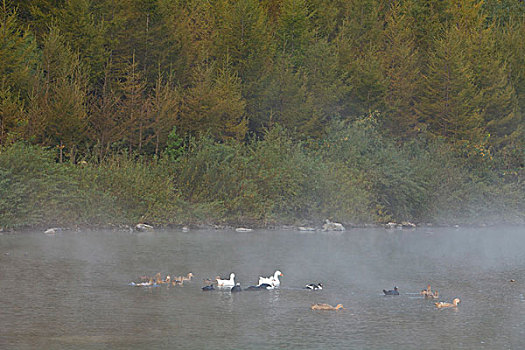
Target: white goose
(227, 283)
(272, 280)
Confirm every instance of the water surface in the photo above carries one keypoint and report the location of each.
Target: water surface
(70, 290)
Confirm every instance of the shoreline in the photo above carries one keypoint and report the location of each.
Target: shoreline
(248, 228)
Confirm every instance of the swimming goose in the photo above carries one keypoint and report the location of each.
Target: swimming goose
(273, 280)
(227, 283)
(395, 291)
(313, 286)
(442, 304)
(326, 307)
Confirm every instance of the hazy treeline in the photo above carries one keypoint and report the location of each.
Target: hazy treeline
(261, 110)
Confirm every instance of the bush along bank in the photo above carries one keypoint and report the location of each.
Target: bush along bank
(354, 175)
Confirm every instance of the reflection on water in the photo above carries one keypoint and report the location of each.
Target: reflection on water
(70, 290)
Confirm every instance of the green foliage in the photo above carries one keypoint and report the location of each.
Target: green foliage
(37, 191)
(140, 191)
(255, 85)
(86, 36)
(57, 115)
(294, 29)
(34, 190)
(214, 104)
(17, 52)
(12, 116)
(242, 39)
(174, 145)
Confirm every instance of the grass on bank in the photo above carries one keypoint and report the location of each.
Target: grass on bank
(354, 175)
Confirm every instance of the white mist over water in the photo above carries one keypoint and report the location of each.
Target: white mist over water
(70, 290)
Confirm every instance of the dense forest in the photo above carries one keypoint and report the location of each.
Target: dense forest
(261, 111)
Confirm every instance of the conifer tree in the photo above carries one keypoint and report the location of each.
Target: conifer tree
(241, 38)
(165, 106)
(294, 30)
(18, 54)
(190, 32)
(12, 116)
(87, 36)
(508, 132)
(133, 107)
(214, 104)
(447, 102)
(57, 114)
(103, 116)
(358, 51)
(401, 70)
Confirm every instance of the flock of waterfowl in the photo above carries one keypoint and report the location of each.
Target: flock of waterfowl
(264, 283)
(271, 282)
(428, 294)
(157, 280)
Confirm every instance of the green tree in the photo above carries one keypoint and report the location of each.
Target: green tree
(12, 116)
(402, 72)
(17, 52)
(87, 36)
(508, 133)
(165, 105)
(132, 112)
(214, 103)
(190, 28)
(448, 100)
(241, 38)
(294, 29)
(57, 105)
(358, 52)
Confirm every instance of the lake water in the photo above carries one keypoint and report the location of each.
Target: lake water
(70, 290)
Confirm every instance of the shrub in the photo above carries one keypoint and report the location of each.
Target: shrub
(34, 189)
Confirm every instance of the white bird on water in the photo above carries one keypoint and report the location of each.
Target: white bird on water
(227, 283)
(272, 280)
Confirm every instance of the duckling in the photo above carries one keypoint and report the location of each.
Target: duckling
(187, 277)
(427, 291)
(442, 304)
(147, 283)
(236, 288)
(433, 295)
(158, 279)
(177, 281)
(313, 286)
(327, 307)
(211, 281)
(395, 291)
(207, 288)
